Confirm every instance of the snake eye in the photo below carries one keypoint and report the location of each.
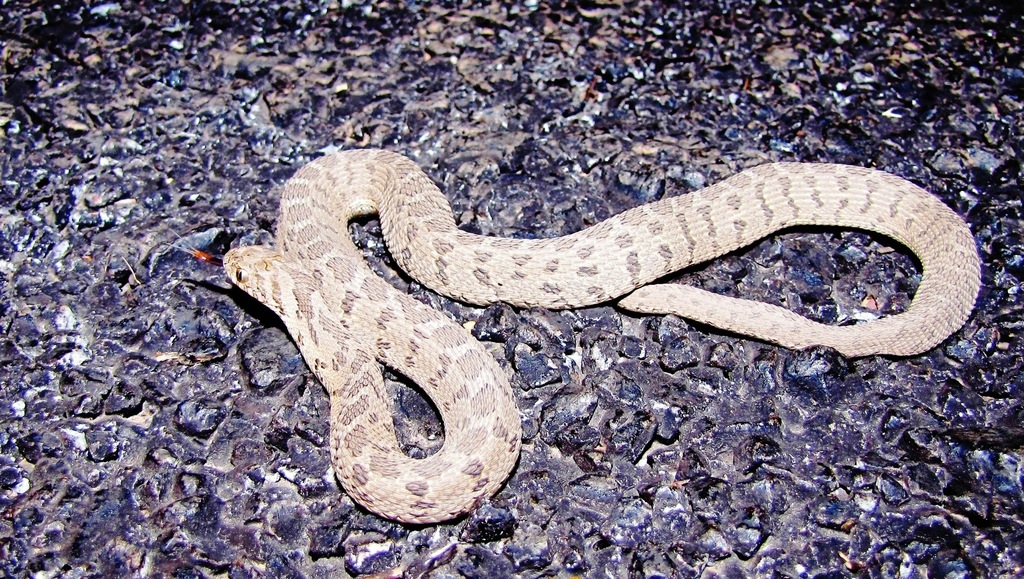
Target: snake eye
(239, 276)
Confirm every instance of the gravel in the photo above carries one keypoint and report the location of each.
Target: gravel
(156, 422)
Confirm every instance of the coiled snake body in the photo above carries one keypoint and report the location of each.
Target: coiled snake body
(346, 320)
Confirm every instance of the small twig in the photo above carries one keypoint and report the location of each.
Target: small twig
(133, 279)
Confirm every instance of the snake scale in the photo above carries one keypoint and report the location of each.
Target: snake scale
(347, 321)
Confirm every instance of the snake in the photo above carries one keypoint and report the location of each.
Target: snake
(349, 323)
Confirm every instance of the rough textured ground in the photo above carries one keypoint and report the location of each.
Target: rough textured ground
(155, 422)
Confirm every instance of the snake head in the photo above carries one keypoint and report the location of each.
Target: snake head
(256, 269)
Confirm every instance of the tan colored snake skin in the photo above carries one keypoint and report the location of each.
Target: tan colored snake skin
(346, 319)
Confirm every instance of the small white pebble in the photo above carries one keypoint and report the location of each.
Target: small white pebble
(77, 439)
